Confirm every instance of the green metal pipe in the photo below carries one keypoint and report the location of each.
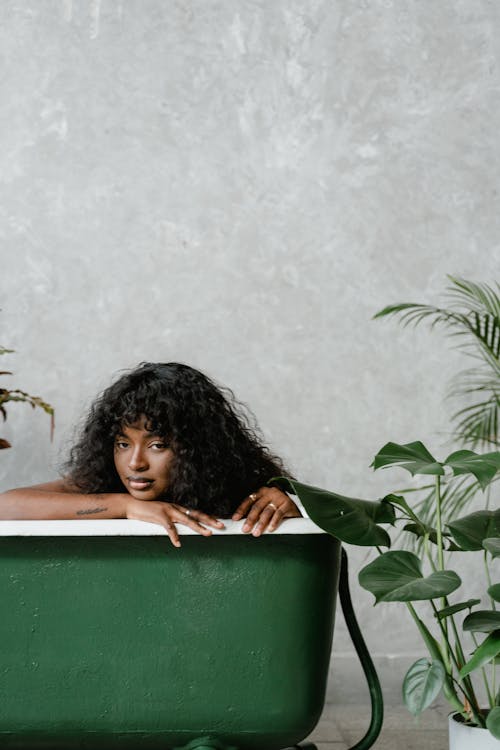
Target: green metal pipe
(376, 698)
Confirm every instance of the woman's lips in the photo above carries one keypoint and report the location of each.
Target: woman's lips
(139, 483)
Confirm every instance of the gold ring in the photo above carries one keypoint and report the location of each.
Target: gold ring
(253, 497)
(272, 505)
(188, 512)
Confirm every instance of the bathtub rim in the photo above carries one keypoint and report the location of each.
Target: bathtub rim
(126, 527)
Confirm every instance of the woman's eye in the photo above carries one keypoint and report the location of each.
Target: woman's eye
(121, 444)
(158, 446)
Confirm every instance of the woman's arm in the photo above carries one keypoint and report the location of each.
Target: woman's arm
(61, 500)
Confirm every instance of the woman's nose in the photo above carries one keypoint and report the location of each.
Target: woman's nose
(137, 460)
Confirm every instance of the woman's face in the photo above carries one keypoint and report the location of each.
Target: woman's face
(143, 461)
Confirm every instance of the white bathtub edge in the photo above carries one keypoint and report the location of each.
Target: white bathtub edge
(124, 527)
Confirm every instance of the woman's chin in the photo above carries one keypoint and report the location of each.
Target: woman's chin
(146, 493)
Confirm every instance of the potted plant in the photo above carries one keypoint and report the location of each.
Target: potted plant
(458, 652)
(7, 395)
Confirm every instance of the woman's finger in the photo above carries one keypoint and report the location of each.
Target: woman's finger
(172, 532)
(254, 514)
(244, 507)
(276, 520)
(266, 514)
(201, 517)
(187, 520)
(260, 500)
(197, 515)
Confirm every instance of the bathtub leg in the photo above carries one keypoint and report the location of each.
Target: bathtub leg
(206, 743)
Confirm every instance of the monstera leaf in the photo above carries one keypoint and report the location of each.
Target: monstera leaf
(473, 531)
(493, 546)
(397, 577)
(482, 466)
(422, 684)
(482, 621)
(349, 519)
(414, 457)
(442, 614)
(493, 722)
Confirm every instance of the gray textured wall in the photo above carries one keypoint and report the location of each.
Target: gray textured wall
(240, 185)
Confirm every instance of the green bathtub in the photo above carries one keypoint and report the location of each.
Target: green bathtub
(111, 638)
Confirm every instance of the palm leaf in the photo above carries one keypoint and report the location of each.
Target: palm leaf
(478, 424)
(474, 317)
(478, 297)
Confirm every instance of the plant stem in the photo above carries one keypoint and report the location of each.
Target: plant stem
(439, 524)
(439, 532)
(488, 577)
(428, 553)
(461, 661)
(491, 699)
(447, 652)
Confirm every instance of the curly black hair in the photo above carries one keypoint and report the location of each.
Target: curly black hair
(218, 457)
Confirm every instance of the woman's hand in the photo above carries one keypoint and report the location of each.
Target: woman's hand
(265, 509)
(168, 514)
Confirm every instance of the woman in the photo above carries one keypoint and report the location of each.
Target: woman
(163, 444)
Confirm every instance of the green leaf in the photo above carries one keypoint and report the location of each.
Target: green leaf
(487, 651)
(400, 502)
(420, 530)
(397, 577)
(482, 466)
(348, 519)
(471, 531)
(494, 592)
(493, 722)
(473, 318)
(482, 621)
(478, 424)
(454, 608)
(414, 457)
(493, 546)
(391, 309)
(422, 684)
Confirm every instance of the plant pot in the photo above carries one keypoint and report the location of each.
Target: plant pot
(464, 737)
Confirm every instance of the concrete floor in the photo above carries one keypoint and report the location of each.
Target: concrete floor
(347, 712)
(342, 726)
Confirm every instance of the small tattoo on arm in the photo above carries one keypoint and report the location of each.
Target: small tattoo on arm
(89, 511)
